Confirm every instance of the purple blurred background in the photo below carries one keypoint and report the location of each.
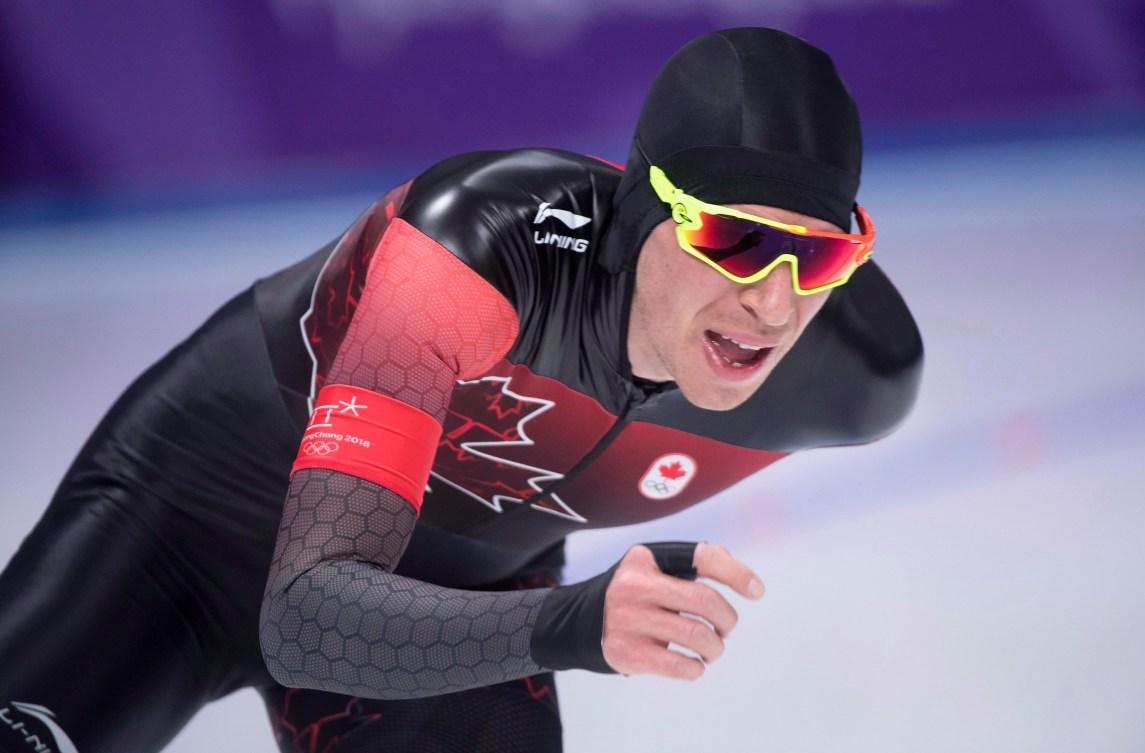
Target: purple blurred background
(152, 98)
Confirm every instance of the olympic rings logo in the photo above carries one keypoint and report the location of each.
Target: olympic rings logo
(659, 487)
(318, 447)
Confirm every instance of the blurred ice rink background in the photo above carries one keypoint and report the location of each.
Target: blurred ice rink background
(974, 582)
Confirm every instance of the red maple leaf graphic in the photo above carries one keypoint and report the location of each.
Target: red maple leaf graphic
(672, 471)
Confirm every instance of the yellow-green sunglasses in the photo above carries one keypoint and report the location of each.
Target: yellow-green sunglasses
(746, 248)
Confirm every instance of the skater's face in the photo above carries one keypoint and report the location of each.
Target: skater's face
(716, 338)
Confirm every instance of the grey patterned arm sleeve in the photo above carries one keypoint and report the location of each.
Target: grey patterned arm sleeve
(335, 618)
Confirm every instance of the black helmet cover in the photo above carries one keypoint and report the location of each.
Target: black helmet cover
(746, 116)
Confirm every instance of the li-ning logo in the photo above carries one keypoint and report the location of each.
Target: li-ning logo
(63, 743)
(570, 220)
(667, 476)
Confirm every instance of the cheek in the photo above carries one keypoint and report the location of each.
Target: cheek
(684, 296)
(656, 277)
(809, 305)
(673, 287)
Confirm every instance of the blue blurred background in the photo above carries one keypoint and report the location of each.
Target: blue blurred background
(973, 582)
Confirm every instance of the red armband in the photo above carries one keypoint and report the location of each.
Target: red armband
(373, 437)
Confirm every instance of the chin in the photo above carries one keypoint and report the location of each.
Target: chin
(710, 397)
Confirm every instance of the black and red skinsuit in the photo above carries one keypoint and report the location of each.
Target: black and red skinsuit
(468, 294)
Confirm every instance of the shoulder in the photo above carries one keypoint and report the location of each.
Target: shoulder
(518, 176)
(482, 206)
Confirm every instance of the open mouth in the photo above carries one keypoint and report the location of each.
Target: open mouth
(730, 353)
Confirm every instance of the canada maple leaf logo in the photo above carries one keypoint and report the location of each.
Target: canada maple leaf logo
(667, 476)
(489, 423)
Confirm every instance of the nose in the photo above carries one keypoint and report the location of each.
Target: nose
(772, 299)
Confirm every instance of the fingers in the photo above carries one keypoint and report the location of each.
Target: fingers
(716, 563)
(667, 627)
(646, 610)
(646, 650)
(646, 657)
(639, 582)
(701, 600)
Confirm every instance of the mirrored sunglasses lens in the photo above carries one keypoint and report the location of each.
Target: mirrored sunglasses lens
(825, 261)
(739, 246)
(742, 248)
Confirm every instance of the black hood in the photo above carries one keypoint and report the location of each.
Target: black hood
(748, 116)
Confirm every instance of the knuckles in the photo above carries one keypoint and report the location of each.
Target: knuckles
(626, 583)
(637, 571)
(707, 600)
(697, 634)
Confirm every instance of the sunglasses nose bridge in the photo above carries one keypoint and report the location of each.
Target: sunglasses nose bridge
(772, 298)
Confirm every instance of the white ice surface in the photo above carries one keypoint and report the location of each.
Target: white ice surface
(974, 582)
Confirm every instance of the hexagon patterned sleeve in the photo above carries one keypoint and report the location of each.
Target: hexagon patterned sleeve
(334, 616)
